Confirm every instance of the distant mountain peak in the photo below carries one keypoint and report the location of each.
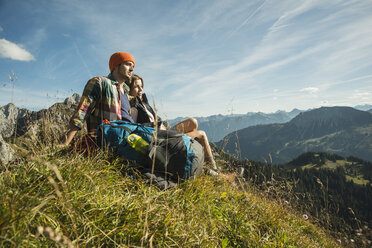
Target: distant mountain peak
(364, 107)
(341, 130)
(74, 99)
(332, 117)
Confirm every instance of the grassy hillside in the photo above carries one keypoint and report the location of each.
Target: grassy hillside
(55, 198)
(319, 184)
(356, 170)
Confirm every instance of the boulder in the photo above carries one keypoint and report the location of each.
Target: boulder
(7, 154)
(9, 117)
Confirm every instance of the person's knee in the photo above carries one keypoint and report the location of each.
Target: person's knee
(202, 133)
(202, 136)
(187, 126)
(192, 123)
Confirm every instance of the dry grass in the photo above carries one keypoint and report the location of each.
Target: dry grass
(57, 198)
(67, 200)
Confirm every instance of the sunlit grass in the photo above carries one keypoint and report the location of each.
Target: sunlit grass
(102, 202)
(57, 198)
(357, 179)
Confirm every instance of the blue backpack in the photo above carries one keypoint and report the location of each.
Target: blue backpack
(171, 153)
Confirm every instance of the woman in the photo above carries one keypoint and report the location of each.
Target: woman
(142, 112)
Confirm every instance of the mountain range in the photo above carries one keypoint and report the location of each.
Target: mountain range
(365, 107)
(218, 126)
(341, 130)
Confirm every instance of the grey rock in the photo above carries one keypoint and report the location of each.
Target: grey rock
(16, 122)
(52, 120)
(7, 154)
(9, 117)
(74, 99)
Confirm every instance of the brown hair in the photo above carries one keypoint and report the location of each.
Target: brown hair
(134, 78)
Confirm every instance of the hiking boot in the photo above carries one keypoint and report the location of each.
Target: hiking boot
(210, 161)
(211, 172)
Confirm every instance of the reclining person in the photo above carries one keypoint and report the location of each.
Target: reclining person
(142, 112)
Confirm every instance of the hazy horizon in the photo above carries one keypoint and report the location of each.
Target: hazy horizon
(364, 107)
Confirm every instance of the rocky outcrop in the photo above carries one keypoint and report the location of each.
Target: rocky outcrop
(7, 154)
(16, 122)
(9, 117)
(72, 100)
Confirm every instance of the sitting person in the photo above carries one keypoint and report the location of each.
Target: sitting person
(104, 98)
(142, 112)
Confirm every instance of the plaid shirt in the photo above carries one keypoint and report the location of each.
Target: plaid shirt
(100, 101)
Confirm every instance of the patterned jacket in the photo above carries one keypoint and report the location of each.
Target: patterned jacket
(100, 101)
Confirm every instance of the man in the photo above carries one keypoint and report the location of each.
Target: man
(104, 97)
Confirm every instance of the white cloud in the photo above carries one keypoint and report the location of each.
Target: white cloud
(360, 95)
(311, 90)
(329, 83)
(288, 15)
(246, 20)
(350, 49)
(13, 51)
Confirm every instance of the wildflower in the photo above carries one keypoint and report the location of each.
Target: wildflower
(286, 202)
(352, 240)
(305, 217)
(245, 200)
(339, 241)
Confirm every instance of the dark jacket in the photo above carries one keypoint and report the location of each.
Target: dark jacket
(142, 114)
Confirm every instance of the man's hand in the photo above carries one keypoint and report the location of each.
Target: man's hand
(69, 136)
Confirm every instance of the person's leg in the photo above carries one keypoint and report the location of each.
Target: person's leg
(186, 126)
(202, 138)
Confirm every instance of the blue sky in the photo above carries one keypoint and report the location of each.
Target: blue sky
(197, 58)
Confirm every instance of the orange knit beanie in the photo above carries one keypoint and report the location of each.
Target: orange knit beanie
(118, 58)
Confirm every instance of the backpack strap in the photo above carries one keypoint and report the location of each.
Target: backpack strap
(126, 129)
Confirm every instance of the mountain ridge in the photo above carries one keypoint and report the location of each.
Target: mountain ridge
(342, 130)
(218, 126)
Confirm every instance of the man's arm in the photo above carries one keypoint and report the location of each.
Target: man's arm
(88, 100)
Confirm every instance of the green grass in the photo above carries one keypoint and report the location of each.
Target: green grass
(331, 165)
(358, 180)
(342, 162)
(101, 202)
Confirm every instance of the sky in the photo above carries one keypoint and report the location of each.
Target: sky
(197, 58)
